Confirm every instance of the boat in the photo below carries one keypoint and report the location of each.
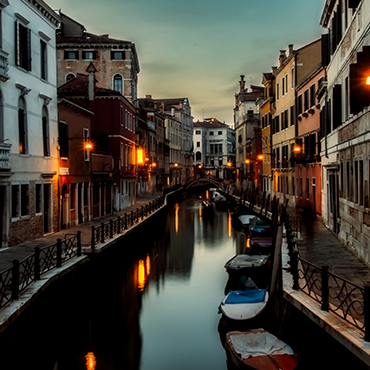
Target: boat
(246, 221)
(219, 200)
(244, 304)
(260, 229)
(255, 266)
(259, 245)
(259, 350)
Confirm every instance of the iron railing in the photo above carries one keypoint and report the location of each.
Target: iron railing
(107, 230)
(23, 273)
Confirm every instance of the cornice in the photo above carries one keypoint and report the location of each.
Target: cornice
(45, 11)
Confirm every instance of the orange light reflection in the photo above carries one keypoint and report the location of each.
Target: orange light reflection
(90, 361)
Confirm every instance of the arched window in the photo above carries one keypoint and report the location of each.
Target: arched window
(117, 83)
(22, 126)
(45, 131)
(69, 77)
(198, 156)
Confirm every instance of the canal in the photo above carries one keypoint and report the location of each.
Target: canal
(151, 303)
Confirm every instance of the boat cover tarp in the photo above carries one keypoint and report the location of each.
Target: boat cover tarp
(247, 219)
(246, 260)
(260, 343)
(246, 296)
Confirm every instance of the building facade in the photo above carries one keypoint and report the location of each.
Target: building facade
(116, 61)
(345, 100)
(28, 121)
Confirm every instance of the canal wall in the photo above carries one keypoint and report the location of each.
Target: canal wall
(127, 242)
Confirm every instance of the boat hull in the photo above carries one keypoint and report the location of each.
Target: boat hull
(285, 360)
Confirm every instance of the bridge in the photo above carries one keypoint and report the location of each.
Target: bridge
(204, 181)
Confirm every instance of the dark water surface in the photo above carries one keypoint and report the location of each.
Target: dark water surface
(152, 309)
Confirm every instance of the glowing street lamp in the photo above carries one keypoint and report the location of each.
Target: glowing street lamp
(247, 161)
(176, 164)
(260, 157)
(229, 164)
(297, 149)
(368, 80)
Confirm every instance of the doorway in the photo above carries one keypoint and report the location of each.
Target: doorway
(47, 197)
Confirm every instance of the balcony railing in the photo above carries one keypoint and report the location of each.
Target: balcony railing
(4, 65)
(5, 157)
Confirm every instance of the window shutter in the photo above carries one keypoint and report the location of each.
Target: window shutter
(17, 56)
(29, 57)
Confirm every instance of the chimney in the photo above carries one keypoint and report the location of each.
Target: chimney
(282, 56)
(91, 70)
(241, 84)
(172, 111)
(290, 49)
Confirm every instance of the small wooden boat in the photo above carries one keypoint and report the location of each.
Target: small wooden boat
(246, 221)
(259, 245)
(244, 304)
(261, 230)
(259, 350)
(250, 265)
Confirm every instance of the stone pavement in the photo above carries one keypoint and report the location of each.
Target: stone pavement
(319, 245)
(21, 251)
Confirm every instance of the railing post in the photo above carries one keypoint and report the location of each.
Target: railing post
(119, 225)
(137, 214)
(79, 247)
(59, 252)
(15, 279)
(325, 287)
(294, 269)
(132, 218)
(125, 220)
(111, 229)
(367, 313)
(93, 238)
(142, 213)
(102, 232)
(37, 264)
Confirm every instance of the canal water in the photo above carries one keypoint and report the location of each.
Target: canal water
(152, 304)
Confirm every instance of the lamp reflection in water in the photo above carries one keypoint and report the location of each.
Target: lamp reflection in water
(90, 361)
(248, 244)
(229, 226)
(143, 272)
(177, 208)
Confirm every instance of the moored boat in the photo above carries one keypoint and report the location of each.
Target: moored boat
(260, 245)
(259, 350)
(244, 304)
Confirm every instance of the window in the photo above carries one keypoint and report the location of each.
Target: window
(117, 83)
(71, 54)
(277, 91)
(299, 105)
(198, 144)
(45, 131)
(63, 140)
(211, 133)
(312, 96)
(43, 59)
(117, 54)
(38, 197)
(22, 126)
(292, 119)
(220, 132)
(220, 161)
(306, 100)
(88, 54)
(292, 77)
(198, 156)
(197, 132)
(72, 197)
(307, 188)
(23, 46)
(69, 77)
(20, 200)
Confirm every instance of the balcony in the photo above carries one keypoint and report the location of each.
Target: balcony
(4, 66)
(5, 157)
(101, 163)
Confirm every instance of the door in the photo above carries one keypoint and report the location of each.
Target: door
(333, 200)
(79, 203)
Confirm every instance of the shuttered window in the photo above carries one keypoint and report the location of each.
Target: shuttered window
(23, 46)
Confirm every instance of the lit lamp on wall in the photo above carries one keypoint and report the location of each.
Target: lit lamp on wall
(297, 149)
(140, 156)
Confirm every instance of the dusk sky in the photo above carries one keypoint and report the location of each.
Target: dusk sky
(199, 48)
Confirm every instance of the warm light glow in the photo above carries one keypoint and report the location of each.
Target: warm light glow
(247, 161)
(90, 361)
(229, 225)
(209, 173)
(147, 265)
(368, 80)
(229, 164)
(154, 164)
(297, 149)
(176, 164)
(147, 159)
(141, 278)
(199, 166)
(260, 157)
(177, 208)
(140, 156)
(248, 244)
(88, 145)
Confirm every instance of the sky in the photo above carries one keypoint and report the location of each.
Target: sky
(199, 48)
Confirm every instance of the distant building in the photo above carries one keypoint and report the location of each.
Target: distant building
(116, 61)
(28, 121)
(246, 117)
(214, 148)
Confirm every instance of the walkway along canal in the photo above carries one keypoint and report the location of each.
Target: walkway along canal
(150, 302)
